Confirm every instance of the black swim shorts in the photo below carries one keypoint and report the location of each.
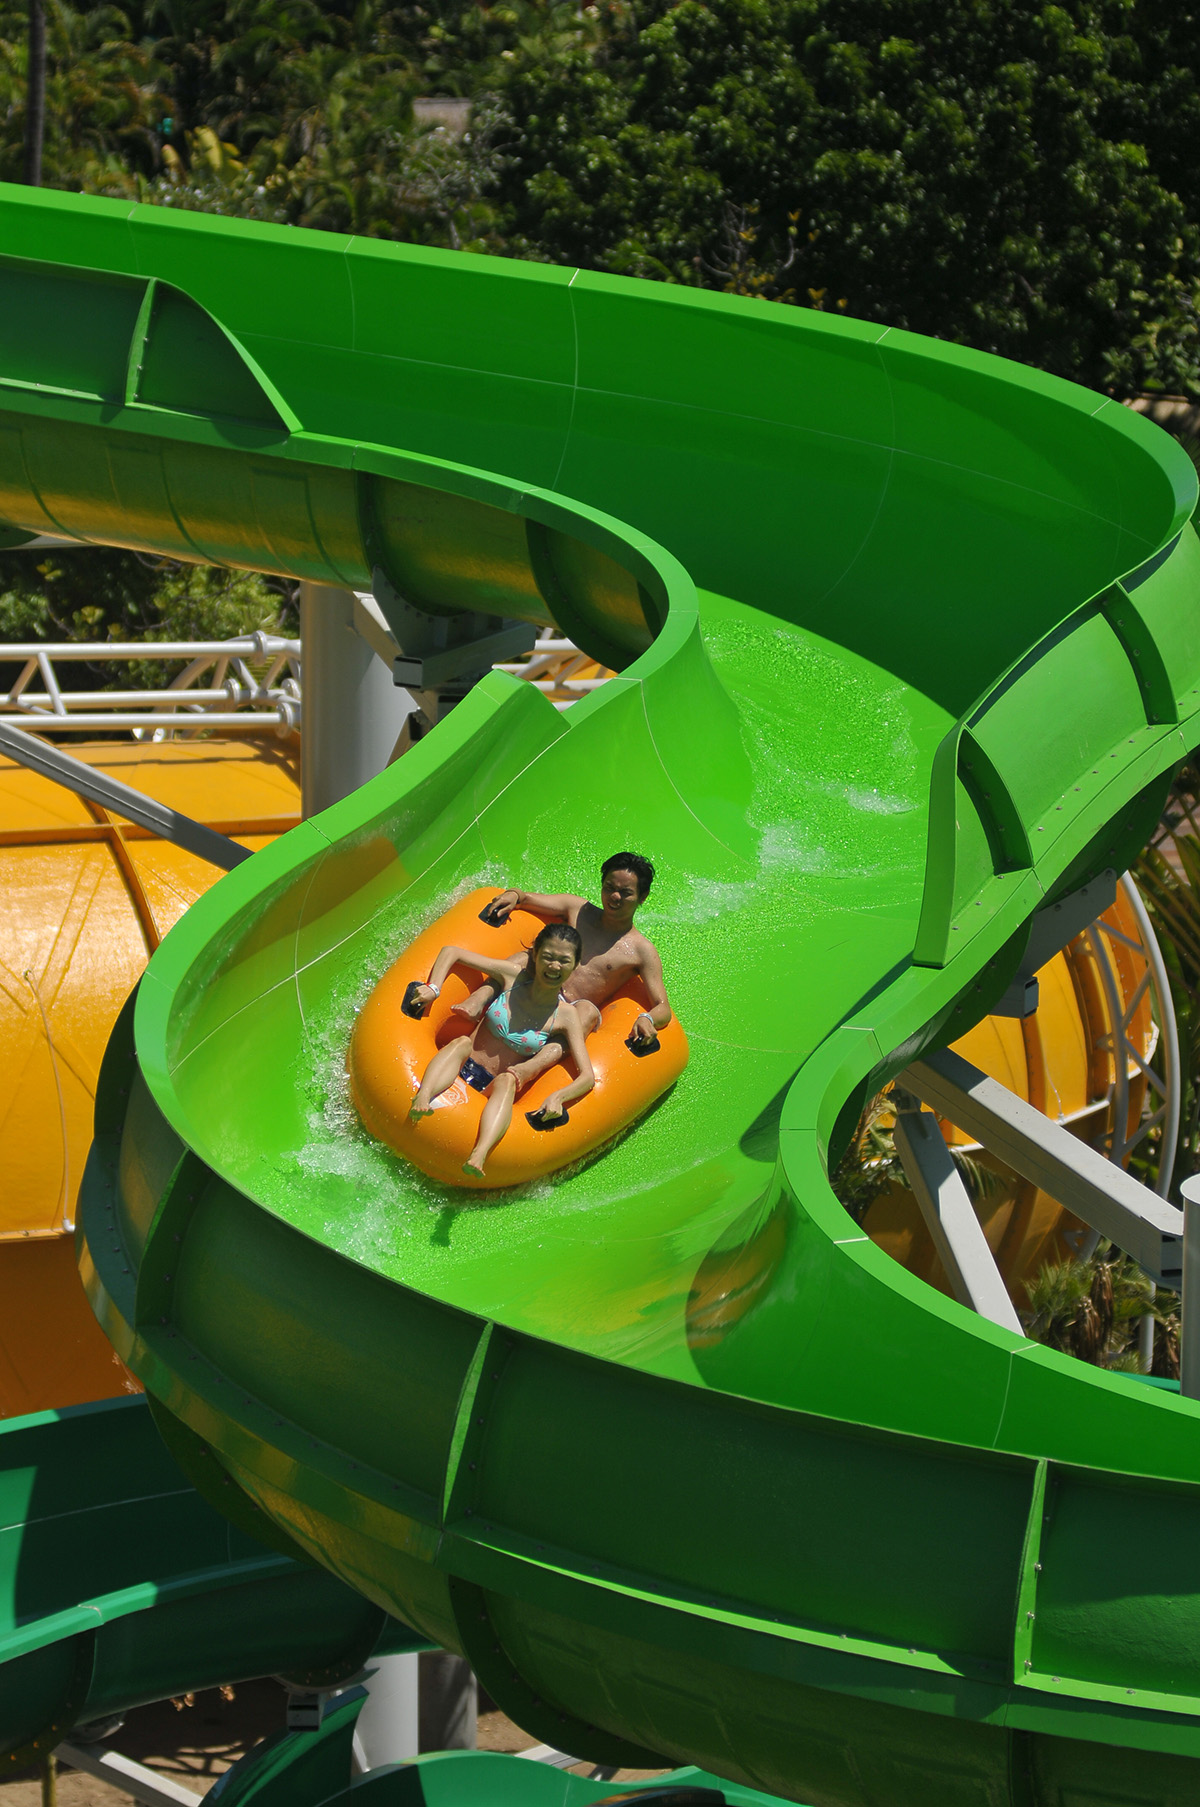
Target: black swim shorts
(475, 1075)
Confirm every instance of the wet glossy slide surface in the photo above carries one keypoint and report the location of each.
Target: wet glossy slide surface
(683, 1463)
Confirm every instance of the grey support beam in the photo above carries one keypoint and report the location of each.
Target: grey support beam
(121, 799)
(1189, 1330)
(145, 1785)
(1103, 1195)
(1050, 930)
(950, 1216)
(352, 712)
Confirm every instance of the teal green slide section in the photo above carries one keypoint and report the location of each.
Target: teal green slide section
(119, 1584)
(908, 646)
(311, 1769)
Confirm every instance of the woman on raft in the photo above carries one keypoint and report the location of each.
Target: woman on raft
(529, 1012)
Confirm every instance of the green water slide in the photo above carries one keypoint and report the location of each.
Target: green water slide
(908, 643)
(120, 1585)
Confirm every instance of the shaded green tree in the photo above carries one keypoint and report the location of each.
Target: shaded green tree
(1168, 875)
(1002, 175)
(103, 593)
(1093, 1310)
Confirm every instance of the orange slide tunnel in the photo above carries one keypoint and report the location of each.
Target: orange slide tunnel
(85, 898)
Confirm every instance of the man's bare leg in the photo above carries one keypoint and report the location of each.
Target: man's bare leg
(473, 1007)
(441, 1072)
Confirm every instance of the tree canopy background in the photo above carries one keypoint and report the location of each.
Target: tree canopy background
(1020, 177)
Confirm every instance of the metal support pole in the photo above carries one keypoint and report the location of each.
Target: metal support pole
(449, 1703)
(950, 1216)
(1189, 1330)
(1103, 1195)
(387, 1729)
(144, 1785)
(353, 713)
(121, 799)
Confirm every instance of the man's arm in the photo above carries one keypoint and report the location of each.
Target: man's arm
(551, 908)
(659, 1013)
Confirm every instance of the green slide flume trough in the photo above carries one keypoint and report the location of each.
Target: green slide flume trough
(686, 1466)
(119, 1584)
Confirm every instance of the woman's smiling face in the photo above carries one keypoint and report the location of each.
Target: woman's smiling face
(554, 962)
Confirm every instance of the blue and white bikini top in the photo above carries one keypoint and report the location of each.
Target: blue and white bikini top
(524, 1041)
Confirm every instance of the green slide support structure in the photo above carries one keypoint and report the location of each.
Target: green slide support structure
(307, 1769)
(121, 1585)
(908, 645)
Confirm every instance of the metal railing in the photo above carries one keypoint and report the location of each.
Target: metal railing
(234, 698)
(218, 686)
(555, 666)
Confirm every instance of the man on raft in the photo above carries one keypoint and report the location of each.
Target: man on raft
(613, 950)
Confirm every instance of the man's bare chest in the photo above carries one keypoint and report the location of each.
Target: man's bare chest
(606, 963)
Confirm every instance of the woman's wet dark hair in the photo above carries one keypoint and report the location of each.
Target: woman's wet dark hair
(637, 863)
(555, 931)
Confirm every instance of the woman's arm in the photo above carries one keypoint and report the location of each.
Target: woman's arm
(451, 957)
(567, 1027)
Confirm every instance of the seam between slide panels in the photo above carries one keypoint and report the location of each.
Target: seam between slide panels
(349, 274)
(141, 1499)
(1008, 1378)
(662, 766)
(566, 445)
(887, 482)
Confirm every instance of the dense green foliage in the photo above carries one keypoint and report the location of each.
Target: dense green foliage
(1024, 179)
(106, 594)
(281, 110)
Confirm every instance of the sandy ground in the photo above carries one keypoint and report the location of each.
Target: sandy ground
(198, 1744)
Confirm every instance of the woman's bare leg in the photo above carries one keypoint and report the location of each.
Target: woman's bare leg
(442, 1071)
(497, 1115)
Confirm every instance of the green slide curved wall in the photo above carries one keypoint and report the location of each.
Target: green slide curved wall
(687, 1467)
(120, 1585)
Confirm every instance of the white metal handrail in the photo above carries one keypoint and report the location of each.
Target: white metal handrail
(217, 687)
(234, 698)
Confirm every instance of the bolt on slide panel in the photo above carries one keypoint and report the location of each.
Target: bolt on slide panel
(907, 645)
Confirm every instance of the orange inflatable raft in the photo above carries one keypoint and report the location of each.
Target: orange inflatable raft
(389, 1051)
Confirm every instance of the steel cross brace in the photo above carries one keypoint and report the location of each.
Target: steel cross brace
(1103, 1195)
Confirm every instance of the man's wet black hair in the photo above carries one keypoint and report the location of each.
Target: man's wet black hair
(637, 863)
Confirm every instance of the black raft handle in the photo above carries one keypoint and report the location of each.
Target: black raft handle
(641, 1049)
(488, 915)
(538, 1119)
(410, 1007)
